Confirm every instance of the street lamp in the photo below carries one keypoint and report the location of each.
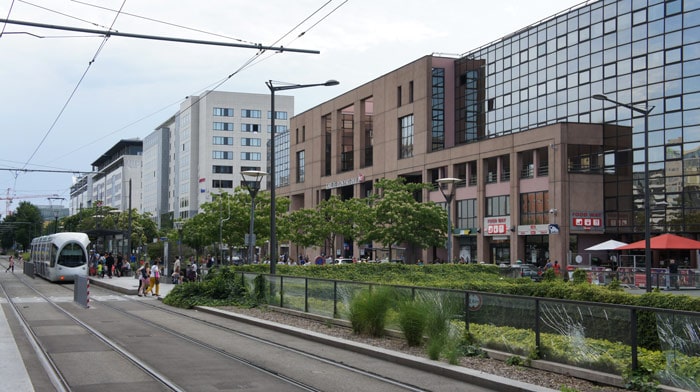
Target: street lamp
(273, 235)
(647, 208)
(451, 184)
(178, 226)
(251, 181)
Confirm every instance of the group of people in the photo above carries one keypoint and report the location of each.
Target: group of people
(106, 264)
(149, 278)
(190, 275)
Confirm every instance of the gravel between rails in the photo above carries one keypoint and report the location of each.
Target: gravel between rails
(487, 365)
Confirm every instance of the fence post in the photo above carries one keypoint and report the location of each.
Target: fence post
(335, 299)
(281, 292)
(537, 327)
(306, 295)
(466, 311)
(633, 338)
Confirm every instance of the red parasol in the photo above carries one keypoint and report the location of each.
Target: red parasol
(664, 241)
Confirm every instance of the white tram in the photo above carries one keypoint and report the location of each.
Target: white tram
(60, 257)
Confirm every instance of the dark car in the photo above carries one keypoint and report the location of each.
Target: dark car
(525, 271)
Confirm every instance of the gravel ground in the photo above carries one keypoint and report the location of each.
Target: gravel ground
(487, 365)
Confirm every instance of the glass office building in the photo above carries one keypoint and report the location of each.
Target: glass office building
(640, 52)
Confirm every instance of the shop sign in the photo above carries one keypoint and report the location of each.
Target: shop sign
(587, 221)
(496, 225)
(533, 229)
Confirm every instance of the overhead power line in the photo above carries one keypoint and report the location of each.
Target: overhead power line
(108, 33)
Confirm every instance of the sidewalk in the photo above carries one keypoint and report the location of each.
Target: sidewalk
(127, 285)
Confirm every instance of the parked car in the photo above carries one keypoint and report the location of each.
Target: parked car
(525, 271)
(342, 261)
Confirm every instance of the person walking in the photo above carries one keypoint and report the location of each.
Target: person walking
(143, 273)
(155, 278)
(12, 265)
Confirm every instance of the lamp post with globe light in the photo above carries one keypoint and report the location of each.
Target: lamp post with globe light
(251, 181)
(451, 184)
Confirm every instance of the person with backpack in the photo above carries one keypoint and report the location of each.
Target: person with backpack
(143, 273)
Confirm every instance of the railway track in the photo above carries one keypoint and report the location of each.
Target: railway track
(182, 350)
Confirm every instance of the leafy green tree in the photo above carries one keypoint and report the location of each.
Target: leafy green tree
(332, 218)
(26, 223)
(401, 219)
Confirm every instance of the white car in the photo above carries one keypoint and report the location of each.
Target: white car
(342, 261)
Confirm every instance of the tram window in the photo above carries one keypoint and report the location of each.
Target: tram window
(52, 256)
(71, 256)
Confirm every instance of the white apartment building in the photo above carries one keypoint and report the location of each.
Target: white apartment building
(217, 135)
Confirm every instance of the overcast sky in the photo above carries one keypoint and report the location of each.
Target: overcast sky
(67, 96)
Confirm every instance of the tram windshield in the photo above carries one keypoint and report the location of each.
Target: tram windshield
(72, 255)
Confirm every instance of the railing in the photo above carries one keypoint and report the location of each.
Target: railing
(596, 336)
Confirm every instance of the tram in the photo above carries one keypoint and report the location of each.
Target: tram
(60, 257)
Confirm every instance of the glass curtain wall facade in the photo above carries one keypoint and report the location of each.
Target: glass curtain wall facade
(640, 52)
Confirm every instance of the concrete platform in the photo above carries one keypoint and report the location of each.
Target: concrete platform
(128, 285)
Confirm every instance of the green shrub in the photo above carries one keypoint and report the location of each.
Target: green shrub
(368, 311)
(580, 276)
(413, 321)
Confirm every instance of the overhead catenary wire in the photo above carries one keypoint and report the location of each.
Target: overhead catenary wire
(254, 60)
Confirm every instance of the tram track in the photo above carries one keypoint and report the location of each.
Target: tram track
(51, 367)
(158, 317)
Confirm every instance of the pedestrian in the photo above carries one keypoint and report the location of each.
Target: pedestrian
(155, 278)
(109, 262)
(143, 273)
(557, 268)
(673, 273)
(12, 265)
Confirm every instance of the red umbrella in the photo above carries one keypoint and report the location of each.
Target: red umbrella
(664, 241)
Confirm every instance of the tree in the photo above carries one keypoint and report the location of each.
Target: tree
(331, 218)
(26, 224)
(401, 219)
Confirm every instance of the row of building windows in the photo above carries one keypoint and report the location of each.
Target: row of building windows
(245, 156)
(245, 127)
(249, 113)
(228, 141)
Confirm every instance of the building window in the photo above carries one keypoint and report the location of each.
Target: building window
(278, 128)
(222, 155)
(438, 110)
(527, 164)
(223, 126)
(251, 142)
(410, 91)
(217, 169)
(301, 169)
(473, 177)
(250, 128)
(466, 213)
(222, 184)
(498, 205)
(491, 170)
(398, 96)
(534, 208)
(505, 168)
(223, 112)
(248, 113)
(250, 156)
(406, 148)
(278, 115)
(222, 141)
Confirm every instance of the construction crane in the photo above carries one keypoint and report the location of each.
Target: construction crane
(9, 198)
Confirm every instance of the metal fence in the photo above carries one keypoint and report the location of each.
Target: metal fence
(603, 337)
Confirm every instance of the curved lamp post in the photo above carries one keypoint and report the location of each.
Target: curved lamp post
(647, 191)
(251, 181)
(451, 184)
(273, 207)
